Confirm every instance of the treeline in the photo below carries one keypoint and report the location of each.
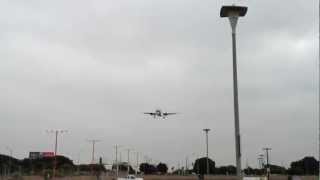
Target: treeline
(305, 166)
(147, 168)
(65, 166)
(43, 166)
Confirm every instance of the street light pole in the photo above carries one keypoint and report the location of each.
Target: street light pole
(268, 168)
(117, 164)
(319, 92)
(233, 13)
(93, 141)
(207, 147)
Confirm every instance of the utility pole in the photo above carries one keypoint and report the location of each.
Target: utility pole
(206, 131)
(56, 132)
(93, 141)
(268, 168)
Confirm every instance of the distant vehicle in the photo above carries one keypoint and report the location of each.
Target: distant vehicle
(130, 177)
(159, 113)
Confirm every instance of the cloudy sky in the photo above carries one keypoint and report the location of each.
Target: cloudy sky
(92, 68)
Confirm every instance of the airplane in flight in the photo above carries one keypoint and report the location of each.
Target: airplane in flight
(159, 113)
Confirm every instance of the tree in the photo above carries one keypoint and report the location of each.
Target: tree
(274, 169)
(254, 171)
(91, 168)
(305, 166)
(226, 170)
(200, 166)
(249, 171)
(147, 168)
(123, 167)
(162, 168)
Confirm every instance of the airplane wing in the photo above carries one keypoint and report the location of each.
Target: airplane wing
(166, 113)
(150, 113)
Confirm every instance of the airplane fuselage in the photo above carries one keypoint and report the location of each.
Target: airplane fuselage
(159, 113)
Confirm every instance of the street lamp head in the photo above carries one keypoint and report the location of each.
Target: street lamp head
(206, 130)
(233, 11)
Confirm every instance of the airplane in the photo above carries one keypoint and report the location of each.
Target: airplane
(159, 113)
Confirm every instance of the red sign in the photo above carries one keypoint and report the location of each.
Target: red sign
(47, 154)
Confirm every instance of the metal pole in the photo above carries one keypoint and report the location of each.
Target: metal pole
(186, 170)
(233, 13)
(55, 155)
(93, 142)
(207, 154)
(319, 90)
(117, 167)
(137, 163)
(268, 168)
(128, 169)
(236, 104)
(56, 132)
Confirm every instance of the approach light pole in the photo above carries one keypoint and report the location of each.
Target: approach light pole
(207, 147)
(233, 13)
(56, 132)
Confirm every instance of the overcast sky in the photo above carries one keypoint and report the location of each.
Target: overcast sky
(92, 67)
